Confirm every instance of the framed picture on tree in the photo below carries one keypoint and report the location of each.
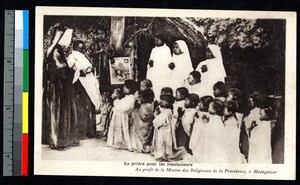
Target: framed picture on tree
(119, 70)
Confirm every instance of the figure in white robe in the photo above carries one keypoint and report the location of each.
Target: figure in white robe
(198, 134)
(119, 128)
(79, 62)
(188, 120)
(159, 73)
(214, 142)
(233, 140)
(214, 68)
(183, 64)
(163, 145)
(259, 132)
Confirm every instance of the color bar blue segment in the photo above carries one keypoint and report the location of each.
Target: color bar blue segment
(25, 29)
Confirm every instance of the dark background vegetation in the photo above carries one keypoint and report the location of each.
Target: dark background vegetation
(253, 49)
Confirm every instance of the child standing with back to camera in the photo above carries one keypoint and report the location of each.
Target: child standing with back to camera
(115, 96)
(163, 144)
(198, 134)
(188, 118)
(232, 127)
(181, 94)
(142, 126)
(119, 129)
(214, 144)
(258, 125)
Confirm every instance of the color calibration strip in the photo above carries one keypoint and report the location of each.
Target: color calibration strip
(15, 119)
(24, 154)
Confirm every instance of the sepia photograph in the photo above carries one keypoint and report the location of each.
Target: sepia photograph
(165, 93)
(120, 70)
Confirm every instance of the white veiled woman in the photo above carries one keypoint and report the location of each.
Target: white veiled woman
(212, 69)
(181, 64)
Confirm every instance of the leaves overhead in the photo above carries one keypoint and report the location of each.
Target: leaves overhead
(241, 33)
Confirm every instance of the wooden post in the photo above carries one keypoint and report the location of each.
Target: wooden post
(117, 33)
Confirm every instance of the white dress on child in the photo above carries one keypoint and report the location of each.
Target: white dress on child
(119, 129)
(188, 119)
(214, 142)
(162, 145)
(260, 150)
(233, 141)
(197, 136)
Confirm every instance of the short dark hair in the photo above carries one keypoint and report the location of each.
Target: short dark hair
(270, 114)
(222, 87)
(131, 85)
(259, 99)
(147, 96)
(77, 42)
(161, 37)
(184, 92)
(169, 99)
(194, 98)
(196, 75)
(118, 89)
(147, 82)
(231, 106)
(206, 100)
(236, 93)
(166, 90)
(218, 106)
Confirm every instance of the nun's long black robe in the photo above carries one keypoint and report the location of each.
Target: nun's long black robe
(59, 118)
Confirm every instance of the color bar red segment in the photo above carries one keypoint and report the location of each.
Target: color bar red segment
(24, 159)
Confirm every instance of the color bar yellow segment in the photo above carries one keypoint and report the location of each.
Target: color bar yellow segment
(25, 112)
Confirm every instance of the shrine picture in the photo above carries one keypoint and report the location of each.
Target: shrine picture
(120, 70)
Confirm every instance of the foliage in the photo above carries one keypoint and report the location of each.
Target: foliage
(233, 32)
(253, 50)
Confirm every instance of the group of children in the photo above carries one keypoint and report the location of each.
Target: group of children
(183, 126)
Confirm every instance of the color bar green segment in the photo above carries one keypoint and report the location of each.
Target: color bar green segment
(25, 70)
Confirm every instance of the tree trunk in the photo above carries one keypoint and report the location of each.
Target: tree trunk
(117, 33)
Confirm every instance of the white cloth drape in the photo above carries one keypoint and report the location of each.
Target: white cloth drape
(78, 62)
